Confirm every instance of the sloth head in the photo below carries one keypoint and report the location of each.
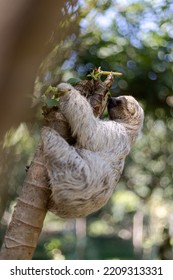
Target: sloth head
(64, 88)
(125, 109)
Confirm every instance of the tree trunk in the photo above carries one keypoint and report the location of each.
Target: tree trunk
(27, 220)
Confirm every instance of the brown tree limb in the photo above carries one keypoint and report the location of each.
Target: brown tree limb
(29, 213)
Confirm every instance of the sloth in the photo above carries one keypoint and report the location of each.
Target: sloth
(83, 177)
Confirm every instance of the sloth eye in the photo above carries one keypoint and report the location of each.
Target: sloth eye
(114, 102)
(131, 109)
(118, 102)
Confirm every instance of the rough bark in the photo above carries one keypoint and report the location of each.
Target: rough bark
(27, 220)
(22, 235)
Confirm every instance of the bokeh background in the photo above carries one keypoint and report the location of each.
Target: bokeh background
(135, 38)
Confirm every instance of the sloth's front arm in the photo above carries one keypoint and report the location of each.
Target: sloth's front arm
(91, 133)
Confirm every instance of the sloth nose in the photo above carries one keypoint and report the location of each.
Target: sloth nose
(112, 102)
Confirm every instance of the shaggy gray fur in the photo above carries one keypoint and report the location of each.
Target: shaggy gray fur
(83, 177)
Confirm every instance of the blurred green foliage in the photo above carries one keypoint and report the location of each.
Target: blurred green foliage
(136, 38)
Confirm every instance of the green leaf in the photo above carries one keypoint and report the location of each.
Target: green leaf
(50, 102)
(73, 81)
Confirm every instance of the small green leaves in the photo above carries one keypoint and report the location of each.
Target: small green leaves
(51, 91)
(73, 81)
(97, 73)
(49, 98)
(50, 102)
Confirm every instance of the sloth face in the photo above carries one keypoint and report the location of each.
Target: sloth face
(124, 109)
(64, 88)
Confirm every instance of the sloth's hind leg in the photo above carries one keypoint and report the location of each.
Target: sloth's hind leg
(64, 165)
